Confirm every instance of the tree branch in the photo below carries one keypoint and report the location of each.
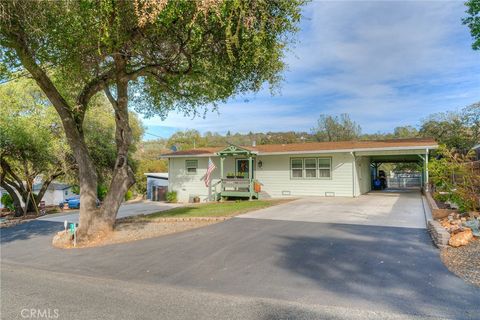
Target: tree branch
(94, 86)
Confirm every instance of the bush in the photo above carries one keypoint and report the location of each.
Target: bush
(102, 191)
(7, 201)
(453, 174)
(172, 196)
(128, 195)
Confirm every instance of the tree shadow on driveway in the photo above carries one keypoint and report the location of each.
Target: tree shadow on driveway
(393, 267)
(30, 229)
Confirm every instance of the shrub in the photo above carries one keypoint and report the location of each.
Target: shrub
(128, 195)
(102, 191)
(172, 196)
(7, 201)
(454, 174)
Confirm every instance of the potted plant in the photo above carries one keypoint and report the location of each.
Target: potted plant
(230, 175)
(241, 175)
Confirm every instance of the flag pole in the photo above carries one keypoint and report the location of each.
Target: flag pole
(209, 184)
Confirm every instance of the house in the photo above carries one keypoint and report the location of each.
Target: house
(477, 152)
(157, 184)
(2, 192)
(56, 192)
(345, 168)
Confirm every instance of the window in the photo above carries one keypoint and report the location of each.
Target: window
(191, 166)
(297, 168)
(324, 167)
(311, 168)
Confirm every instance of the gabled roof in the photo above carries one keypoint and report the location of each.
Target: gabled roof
(310, 147)
(52, 186)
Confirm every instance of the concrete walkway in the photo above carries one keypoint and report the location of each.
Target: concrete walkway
(126, 210)
(390, 209)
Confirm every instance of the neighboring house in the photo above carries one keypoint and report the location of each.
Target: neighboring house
(290, 170)
(157, 184)
(477, 152)
(2, 192)
(56, 192)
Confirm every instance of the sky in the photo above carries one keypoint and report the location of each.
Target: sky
(385, 63)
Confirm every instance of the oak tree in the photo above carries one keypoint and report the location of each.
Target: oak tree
(153, 56)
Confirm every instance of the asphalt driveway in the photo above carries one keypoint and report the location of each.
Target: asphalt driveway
(361, 271)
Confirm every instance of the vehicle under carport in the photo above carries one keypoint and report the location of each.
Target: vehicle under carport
(406, 180)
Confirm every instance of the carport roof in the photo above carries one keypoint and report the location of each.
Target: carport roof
(398, 158)
(317, 147)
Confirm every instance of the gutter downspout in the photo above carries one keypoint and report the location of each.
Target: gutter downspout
(354, 165)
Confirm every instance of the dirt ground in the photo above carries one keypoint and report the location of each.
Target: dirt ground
(464, 261)
(128, 230)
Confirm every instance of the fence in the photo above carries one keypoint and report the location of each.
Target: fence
(405, 180)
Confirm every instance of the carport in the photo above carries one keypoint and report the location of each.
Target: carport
(408, 156)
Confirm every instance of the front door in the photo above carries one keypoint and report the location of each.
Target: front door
(242, 167)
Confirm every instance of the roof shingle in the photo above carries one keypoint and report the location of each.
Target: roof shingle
(317, 146)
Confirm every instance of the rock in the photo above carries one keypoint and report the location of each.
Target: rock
(62, 240)
(461, 238)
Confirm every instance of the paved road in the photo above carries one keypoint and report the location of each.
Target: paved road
(126, 210)
(243, 268)
(393, 209)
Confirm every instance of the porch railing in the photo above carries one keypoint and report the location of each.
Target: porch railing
(232, 187)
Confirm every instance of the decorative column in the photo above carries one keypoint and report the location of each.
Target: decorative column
(426, 170)
(250, 178)
(221, 172)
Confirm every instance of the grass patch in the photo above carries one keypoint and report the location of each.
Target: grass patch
(217, 209)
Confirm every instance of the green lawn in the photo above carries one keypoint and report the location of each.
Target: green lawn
(217, 209)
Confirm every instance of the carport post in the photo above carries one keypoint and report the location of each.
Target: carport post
(426, 170)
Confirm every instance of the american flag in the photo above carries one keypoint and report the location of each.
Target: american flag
(211, 167)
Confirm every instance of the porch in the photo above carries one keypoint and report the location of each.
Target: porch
(238, 184)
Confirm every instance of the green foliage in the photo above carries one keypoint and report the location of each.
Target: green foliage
(29, 129)
(172, 196)
(7, 201)
(336, 128)
(128, 195)
(147, 159)
(181, 54)
(473, 21)
(459, 130)
(453, 175)
(102, 191)
(99, 127)
(187, 139)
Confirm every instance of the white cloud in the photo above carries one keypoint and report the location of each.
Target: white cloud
(386, 63)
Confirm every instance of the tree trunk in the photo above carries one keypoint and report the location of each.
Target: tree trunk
(17, 204)
(123, 176)
(73, 130)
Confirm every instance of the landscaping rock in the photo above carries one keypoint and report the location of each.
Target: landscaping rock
(439, 235)
(461, 238)
(474, 225)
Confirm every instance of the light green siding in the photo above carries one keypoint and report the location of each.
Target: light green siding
(277, 182)
(274, 176)
(362, 175)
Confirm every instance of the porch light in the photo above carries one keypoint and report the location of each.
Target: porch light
(260, 163)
